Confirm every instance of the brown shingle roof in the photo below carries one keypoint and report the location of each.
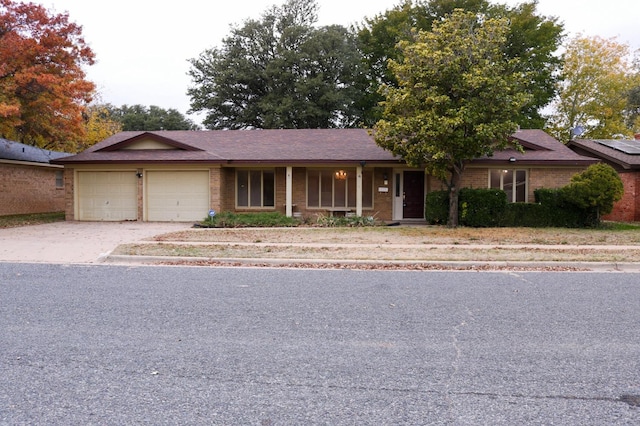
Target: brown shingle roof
(295, 147)
(282, 146)
(595, 149)
(539, 149)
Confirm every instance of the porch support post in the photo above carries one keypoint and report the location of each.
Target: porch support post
(359, 191)
(289, 202)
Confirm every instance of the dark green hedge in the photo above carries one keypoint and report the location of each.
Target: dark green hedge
(489, 208)
(559, 211)
(436, 209)
(525, 215)
(243, 220)
(481, 207)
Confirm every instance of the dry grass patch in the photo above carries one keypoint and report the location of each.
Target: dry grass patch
(381, 253)
(410, 235)
(398, 243)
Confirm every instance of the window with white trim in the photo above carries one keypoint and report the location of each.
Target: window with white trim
(336, 188)
(255, 188)
(513, 182)
(59, 179)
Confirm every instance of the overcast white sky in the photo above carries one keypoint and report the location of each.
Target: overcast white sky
(142, 46)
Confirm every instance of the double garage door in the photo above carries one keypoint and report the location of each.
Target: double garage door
(168, 195)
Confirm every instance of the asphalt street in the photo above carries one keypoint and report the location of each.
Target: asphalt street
(100, 344)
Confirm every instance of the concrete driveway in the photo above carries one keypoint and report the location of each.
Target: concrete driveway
(75, 242)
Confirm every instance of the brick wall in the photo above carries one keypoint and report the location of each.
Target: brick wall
(474, 178)
(227, 189)
(550, 178)
(28, 189)
(537, 178)
(382, 201)
(300, 190)
(628, 208)
(140, 196)
(215, 184)
(69, 199)
(281, 190)
(435, 184)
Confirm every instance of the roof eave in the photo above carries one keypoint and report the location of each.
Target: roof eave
(605, 157)
(230, 162)
(313, 161)
(524, 163)
(29, 163)
(141, 162)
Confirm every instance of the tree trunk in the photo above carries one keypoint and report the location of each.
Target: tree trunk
(453, 198)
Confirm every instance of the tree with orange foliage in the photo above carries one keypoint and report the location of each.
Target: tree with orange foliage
(43, 90)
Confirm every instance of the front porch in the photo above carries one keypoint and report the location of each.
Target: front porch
(386, 193)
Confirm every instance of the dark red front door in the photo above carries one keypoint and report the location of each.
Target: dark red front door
(413, 206)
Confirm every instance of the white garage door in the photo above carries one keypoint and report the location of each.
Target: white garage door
(107, 195)
(180, 196)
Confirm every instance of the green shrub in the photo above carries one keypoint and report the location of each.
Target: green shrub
(489, 207)
(477, 207)
(597, 188)
(525, 215)
(437, 207)
(558, 211)
(248, 220)
(345, 221)
(481, 207)
(274, 219)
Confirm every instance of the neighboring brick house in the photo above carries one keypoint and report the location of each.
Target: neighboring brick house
(28, 182)
(181, 175)
(624, 156)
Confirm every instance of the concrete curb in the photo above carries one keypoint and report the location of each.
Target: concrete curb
(410, 265)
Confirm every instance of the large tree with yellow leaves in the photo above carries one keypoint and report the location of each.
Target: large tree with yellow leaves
(598, 76)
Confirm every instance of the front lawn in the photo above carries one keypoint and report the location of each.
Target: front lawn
(14, 221)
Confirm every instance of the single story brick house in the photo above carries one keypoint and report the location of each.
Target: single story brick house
(30, 183)
(624, 156)
(182, 175)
